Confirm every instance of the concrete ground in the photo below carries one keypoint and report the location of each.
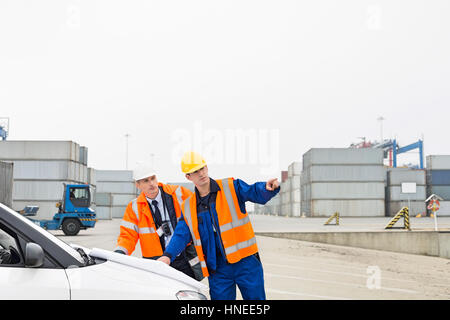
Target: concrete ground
(305, 270)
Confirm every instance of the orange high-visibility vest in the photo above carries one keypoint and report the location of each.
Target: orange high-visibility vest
(236, 230)
(138, 224)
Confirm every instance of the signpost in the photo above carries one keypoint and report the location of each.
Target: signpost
(433, 205)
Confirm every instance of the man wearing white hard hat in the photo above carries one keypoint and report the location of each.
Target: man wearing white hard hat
(151, 219)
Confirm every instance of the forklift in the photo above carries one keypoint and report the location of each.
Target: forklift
(74, 213)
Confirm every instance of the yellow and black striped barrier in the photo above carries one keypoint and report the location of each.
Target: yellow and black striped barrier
(334, 216)
(88, 220)
(403, 213)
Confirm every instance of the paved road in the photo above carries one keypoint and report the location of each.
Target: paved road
(306, 270)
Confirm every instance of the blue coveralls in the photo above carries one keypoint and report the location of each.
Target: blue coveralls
(247, 273)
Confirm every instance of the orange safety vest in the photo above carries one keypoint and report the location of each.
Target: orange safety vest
(236, 230)
(138, 224)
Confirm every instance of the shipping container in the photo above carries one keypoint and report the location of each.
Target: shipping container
(285, 210)
(347, 190)
(285, 186)
(396, 176)
(118, 212)
(104, 213)
(347, 208)
(114, 175)
(285, 198)
(295, 169)
(444, 209)
(103, 199)
(441, 191)
(6, 183)
(116, 187)
(295, 183)
(344, 173)
(295, 210)
(395, 194)
(438, 177)
(284, 176)
(296, 196)
(342, 156)
(39, 150)
(438, 162)
(50, 170)
(39, 190)
(91, 176)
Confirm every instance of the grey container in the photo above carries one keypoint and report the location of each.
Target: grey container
(415, 207)
(396, 176)
(295, 169)
(395, 194)
(39, 150)
(114, 175)
(444, 209)
(442, 191)
(342, 156)
(6, 183)
(50, 170)
(39, 190)
(103, 212)
(347, 190)
(116, 187)
(103, 199)
(438, 162)
(346, 208)
(344, 173)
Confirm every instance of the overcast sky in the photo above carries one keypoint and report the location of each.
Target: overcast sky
(250, 84)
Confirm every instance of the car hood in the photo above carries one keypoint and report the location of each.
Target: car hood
(148, 265)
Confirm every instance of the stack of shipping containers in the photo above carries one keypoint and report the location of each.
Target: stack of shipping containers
(438, 180)
(294, 173)
(114, 190)
(285, 198)
(6, 183)
(396, 199)
(40, 170)
(348, 181)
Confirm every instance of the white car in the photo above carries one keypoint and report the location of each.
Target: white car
(41, 266)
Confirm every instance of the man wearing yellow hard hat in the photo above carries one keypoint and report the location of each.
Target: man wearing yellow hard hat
(215, 220)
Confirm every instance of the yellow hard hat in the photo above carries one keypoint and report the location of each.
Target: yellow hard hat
(192, 162)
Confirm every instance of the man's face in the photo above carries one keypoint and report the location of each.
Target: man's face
(199, 177)
(149, 186)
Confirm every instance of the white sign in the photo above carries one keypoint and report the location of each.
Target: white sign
(409, 187)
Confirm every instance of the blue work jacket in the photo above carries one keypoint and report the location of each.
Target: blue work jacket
(208, 222)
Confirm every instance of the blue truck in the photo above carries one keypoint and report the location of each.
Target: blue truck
(74, 212)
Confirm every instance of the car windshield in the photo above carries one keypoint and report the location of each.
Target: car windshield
(66, 247)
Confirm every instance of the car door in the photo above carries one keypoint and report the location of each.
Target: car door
(20, 282)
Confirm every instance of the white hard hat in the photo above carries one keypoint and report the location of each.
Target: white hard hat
(142, 171)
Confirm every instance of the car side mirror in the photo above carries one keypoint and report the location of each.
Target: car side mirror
(34, 255)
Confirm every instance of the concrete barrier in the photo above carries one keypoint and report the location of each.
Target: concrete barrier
(430, 243)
